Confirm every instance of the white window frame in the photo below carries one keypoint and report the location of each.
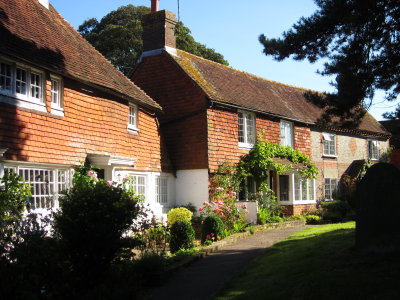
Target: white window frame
(303, 185)
(287, 133)
(25, 99)
(4, 77)
(246, 135)
(330, 187)
(40, 192)
(133, 117)
(329, 141)
(250, 187)
(372, 155)
(161, 186)
(56, 95)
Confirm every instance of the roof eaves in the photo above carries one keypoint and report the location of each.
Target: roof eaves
(257, 111)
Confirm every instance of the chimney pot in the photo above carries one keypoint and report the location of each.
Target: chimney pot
(154, 6)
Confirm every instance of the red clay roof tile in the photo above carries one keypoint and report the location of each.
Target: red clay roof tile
(233, 87)
(41, 36)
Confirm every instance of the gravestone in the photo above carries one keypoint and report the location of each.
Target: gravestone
(378, 213)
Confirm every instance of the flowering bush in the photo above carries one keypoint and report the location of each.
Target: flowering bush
(93, 217)
(213, 230)
(225, 207)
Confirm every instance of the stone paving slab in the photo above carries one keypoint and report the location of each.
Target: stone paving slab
(204, 278)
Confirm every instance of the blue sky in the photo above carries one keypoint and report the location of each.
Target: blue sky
(232, 27)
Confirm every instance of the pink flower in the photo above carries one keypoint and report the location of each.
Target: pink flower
(109, 182)
(219, 189)
(232, 193)
(201, 209)
(244, 206)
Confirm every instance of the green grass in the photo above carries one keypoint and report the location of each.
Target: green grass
(318, 263)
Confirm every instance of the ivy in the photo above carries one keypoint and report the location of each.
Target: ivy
(258, 163)
(262, 159)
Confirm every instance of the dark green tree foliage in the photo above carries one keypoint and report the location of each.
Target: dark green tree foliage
(359, 39)
(118, 36)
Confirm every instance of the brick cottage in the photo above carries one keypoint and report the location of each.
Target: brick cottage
(213, 114)
(62, 102)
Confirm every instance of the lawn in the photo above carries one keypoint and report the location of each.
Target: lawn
(318, 263)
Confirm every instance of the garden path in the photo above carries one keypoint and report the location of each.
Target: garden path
(205, 277)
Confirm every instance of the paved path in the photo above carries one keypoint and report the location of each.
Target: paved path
(204, 278)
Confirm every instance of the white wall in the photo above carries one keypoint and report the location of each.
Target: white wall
(192, 186)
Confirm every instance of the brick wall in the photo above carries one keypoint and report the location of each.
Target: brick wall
(348, 148)
(183, 120)
(93, 123)
(223, 136)
(164, 81)
(290, 210)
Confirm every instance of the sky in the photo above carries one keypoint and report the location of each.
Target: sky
(232, 28)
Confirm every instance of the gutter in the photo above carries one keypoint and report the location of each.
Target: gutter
(358, 131)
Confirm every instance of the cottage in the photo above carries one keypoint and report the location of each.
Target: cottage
(62, 102)
(213, 114)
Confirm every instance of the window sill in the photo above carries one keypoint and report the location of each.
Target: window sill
(328, 156)
(57, 111)
(133, 129)
(245, 146)
(25, 103)
(297, 202)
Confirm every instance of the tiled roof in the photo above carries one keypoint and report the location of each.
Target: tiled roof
(233, 87)
(30, 32)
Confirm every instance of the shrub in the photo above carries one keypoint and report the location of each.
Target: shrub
(14, 195)
(335, 211)
(155, 239)
(297, 217)
(213, 228)
(312, 219)
(92, 219)
(182, 236)
(189, 206)
(179, 214)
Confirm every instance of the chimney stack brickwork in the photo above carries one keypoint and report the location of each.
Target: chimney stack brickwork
(159, 30)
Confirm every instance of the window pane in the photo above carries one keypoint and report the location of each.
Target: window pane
(241, 128)
(311, 189)
(162, 189)
(304, 189)
(283, 187)
(5, 77)
(55, 93)
(297, 187)
(36, 86)
(20, 81)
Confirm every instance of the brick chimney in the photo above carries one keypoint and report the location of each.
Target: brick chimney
(158, 30)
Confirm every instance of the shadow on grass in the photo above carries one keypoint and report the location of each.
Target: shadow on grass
(317, 266)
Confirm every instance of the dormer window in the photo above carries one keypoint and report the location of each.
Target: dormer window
(133, 117)
(247, 129)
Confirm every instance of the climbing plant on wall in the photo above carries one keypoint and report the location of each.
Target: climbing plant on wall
(258, 163)
(262, 159)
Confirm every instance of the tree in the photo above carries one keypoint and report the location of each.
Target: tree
(118, 36)
(360, 40)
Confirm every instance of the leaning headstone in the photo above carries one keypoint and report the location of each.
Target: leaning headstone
(378, 210)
